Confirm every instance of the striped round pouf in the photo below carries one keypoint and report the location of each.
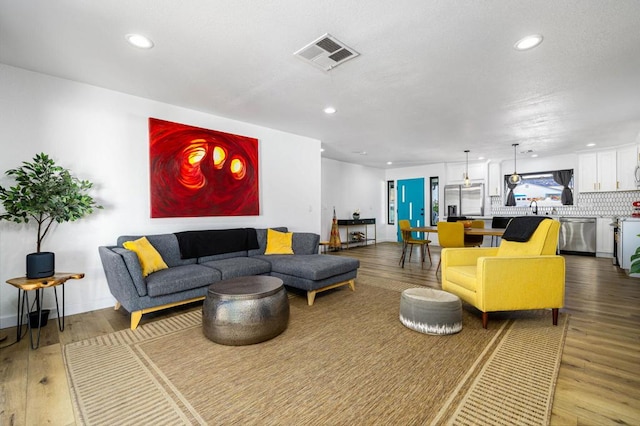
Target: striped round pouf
(431, 311)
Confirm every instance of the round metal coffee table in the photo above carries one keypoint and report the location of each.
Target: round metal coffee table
(245, 310)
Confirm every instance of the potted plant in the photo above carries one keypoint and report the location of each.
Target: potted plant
(635, 262)
(44, 193)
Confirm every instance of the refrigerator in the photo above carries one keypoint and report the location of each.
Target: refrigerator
(464, 201)
(628, 240)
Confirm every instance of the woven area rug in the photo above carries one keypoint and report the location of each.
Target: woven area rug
(345, 360)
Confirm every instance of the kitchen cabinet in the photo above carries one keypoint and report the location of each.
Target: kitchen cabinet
(626, 164)
(597, 171)
(496, 181)
(604, 237)
(456, 172)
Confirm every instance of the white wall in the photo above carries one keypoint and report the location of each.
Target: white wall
(102, 136)
(348, 187)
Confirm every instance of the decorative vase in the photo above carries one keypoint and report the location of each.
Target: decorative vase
(356, 216)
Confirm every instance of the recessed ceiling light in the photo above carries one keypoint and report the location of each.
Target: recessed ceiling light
(480, 158)
(389, 163)
(329, 110)
(140, 41)
(534, 155)
(591, 144)
(321, 149)
(528, 42)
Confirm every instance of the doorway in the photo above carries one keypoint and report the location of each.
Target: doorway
(410, 201)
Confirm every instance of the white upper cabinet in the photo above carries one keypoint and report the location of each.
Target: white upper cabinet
(627, 164)
(612, 170)
(587, 172)
(496, 180)
(456, 172)
(597, 171)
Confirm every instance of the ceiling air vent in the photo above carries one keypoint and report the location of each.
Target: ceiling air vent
(326, 52)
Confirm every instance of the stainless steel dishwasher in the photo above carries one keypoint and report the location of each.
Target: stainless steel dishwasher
(578, 235)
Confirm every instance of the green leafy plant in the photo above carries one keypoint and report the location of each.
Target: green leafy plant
(635, 261)
(45, 193)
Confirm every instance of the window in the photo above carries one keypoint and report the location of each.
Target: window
(391, 202)
(434, 187)
(549, 189)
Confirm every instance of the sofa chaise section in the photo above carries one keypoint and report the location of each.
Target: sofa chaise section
(307, 270)
(314, 272)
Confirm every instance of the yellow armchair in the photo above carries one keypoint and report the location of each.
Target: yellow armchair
(515, 276)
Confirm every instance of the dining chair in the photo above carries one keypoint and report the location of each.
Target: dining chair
(408, 241)
(450, 234)
(499, 222)
(474, 240)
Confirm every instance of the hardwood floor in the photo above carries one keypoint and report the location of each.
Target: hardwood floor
(598, 383)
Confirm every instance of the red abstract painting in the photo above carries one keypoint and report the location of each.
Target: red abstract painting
(199, 172)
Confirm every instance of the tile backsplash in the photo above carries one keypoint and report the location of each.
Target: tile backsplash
(587, 204)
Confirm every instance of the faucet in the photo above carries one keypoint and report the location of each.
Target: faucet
(534, 207)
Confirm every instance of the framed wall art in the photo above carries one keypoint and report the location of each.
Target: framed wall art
(198, 172)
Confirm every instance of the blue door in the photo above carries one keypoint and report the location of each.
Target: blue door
(410, 199)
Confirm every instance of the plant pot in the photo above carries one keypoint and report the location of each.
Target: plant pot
(356, 216)
(40, 265)
(35, 322)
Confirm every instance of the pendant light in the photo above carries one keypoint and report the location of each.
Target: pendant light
(515, 178)
(467, 182)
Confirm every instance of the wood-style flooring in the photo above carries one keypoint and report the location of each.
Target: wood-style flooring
(598, 382)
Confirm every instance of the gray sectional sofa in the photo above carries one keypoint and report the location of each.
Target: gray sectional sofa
(187, 279)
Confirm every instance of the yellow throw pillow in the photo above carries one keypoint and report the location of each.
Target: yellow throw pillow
(150, 259)
(279, 242)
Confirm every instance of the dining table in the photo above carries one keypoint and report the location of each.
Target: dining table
(493, 232)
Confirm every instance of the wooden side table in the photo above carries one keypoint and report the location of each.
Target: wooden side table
(24, 285)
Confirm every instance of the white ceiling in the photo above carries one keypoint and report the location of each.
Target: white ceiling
(434, 77)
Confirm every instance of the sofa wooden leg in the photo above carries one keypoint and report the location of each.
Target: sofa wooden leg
(117, 306)
(554, 312)
(485, 319)
(311, 296)
(136, 316)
